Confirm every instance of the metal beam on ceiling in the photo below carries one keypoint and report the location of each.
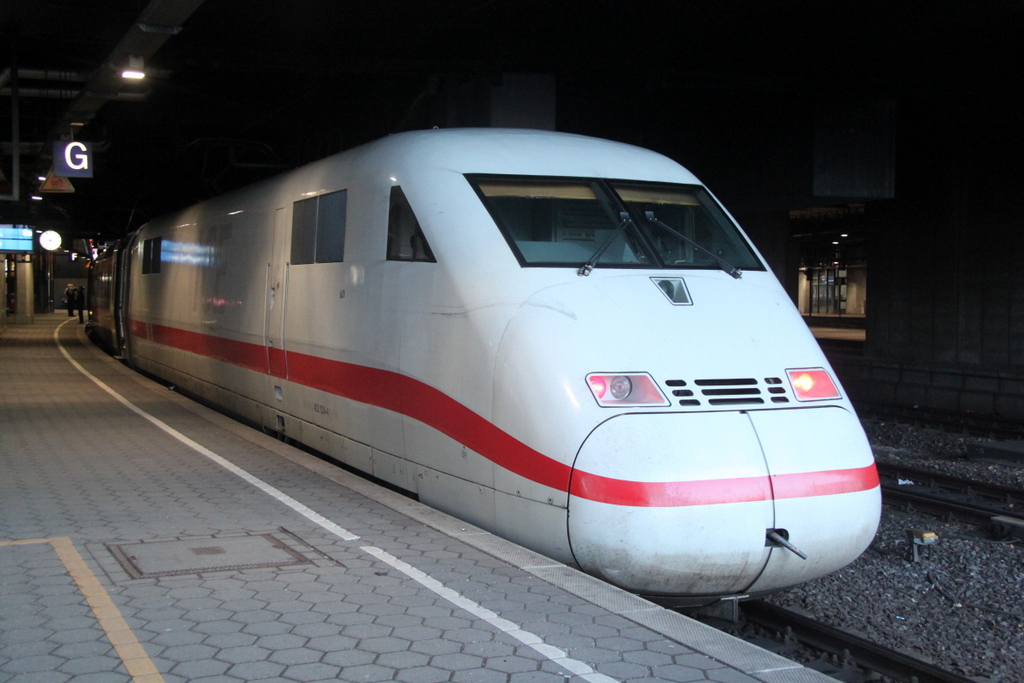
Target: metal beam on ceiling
(159, 21)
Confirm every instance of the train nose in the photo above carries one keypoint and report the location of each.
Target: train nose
(681, 505)
(646, 517)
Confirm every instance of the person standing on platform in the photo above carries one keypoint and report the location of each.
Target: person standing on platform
(70, 297)
(80, 304)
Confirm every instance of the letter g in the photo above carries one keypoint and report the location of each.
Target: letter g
(78, 161)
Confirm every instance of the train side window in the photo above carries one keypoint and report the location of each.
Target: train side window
(151, 255)
(330, 227)
(406, 241)
(318, 229)
(304, 231)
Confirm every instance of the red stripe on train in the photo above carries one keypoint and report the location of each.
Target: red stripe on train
(243, 354)
(715, 491)
(407, 396)
(384, 389)
(419, 401)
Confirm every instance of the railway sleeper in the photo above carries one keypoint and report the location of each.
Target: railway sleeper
(1005, 527)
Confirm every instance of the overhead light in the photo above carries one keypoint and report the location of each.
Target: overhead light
(134, 70)
(36, 198)
(41, 178)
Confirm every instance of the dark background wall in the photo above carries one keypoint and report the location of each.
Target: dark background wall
(945, 328)
(938, 172)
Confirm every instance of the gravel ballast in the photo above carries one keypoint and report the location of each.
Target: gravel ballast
(962, 605)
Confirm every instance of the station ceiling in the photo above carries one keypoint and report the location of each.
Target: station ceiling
(240, 89)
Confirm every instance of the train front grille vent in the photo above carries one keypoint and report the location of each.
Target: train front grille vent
(744, 391)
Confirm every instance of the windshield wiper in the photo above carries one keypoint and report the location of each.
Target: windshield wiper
(722, 263)
(589, 265)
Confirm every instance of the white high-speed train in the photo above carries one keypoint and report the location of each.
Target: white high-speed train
(564, 340)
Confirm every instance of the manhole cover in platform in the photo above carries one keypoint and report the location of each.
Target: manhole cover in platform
(195, 556)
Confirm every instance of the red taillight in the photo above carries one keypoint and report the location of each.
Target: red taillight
(625, 389)
(812, 384)
(598, 386)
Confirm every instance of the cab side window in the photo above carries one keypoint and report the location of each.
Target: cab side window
(406, 241)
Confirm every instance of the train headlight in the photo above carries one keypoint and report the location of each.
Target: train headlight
(812, 384)
(612, 390)
(621, 388)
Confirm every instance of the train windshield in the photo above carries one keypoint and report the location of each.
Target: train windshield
(568, 222)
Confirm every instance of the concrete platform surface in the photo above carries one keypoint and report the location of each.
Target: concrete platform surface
(144, 537)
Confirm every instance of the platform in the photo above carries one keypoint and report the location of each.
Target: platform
(847, 334)
(145, 537)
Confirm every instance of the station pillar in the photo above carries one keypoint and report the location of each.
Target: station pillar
(24, 313)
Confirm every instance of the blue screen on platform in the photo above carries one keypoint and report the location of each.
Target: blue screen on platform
(16, 239)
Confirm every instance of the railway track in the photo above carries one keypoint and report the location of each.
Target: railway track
(941, 419)
(952, 497)
(858, 659)
(848, 656)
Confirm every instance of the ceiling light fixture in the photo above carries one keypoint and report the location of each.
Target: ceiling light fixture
(134, 70)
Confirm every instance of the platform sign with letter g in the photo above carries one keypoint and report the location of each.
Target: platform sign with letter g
(72, 159)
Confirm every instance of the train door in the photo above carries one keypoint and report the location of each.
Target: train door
(119, 293)
(277, 275)
(131, 253)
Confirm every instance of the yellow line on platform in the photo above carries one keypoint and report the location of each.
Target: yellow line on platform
(140, 667)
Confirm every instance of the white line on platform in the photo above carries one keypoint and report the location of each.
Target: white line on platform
(306, 512)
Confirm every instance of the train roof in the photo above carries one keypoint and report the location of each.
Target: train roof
(421, 153)
(518, 151)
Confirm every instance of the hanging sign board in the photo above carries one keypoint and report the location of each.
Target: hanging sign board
(72, 159)
(16, 238)
(56, 183)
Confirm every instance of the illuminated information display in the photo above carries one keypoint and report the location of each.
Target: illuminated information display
(16, 238)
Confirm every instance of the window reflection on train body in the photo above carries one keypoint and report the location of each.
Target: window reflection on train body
(187, 253)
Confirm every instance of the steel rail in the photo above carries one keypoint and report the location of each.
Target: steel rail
(951, 495)
(960, 484)
(940, 507)
(865, 653)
